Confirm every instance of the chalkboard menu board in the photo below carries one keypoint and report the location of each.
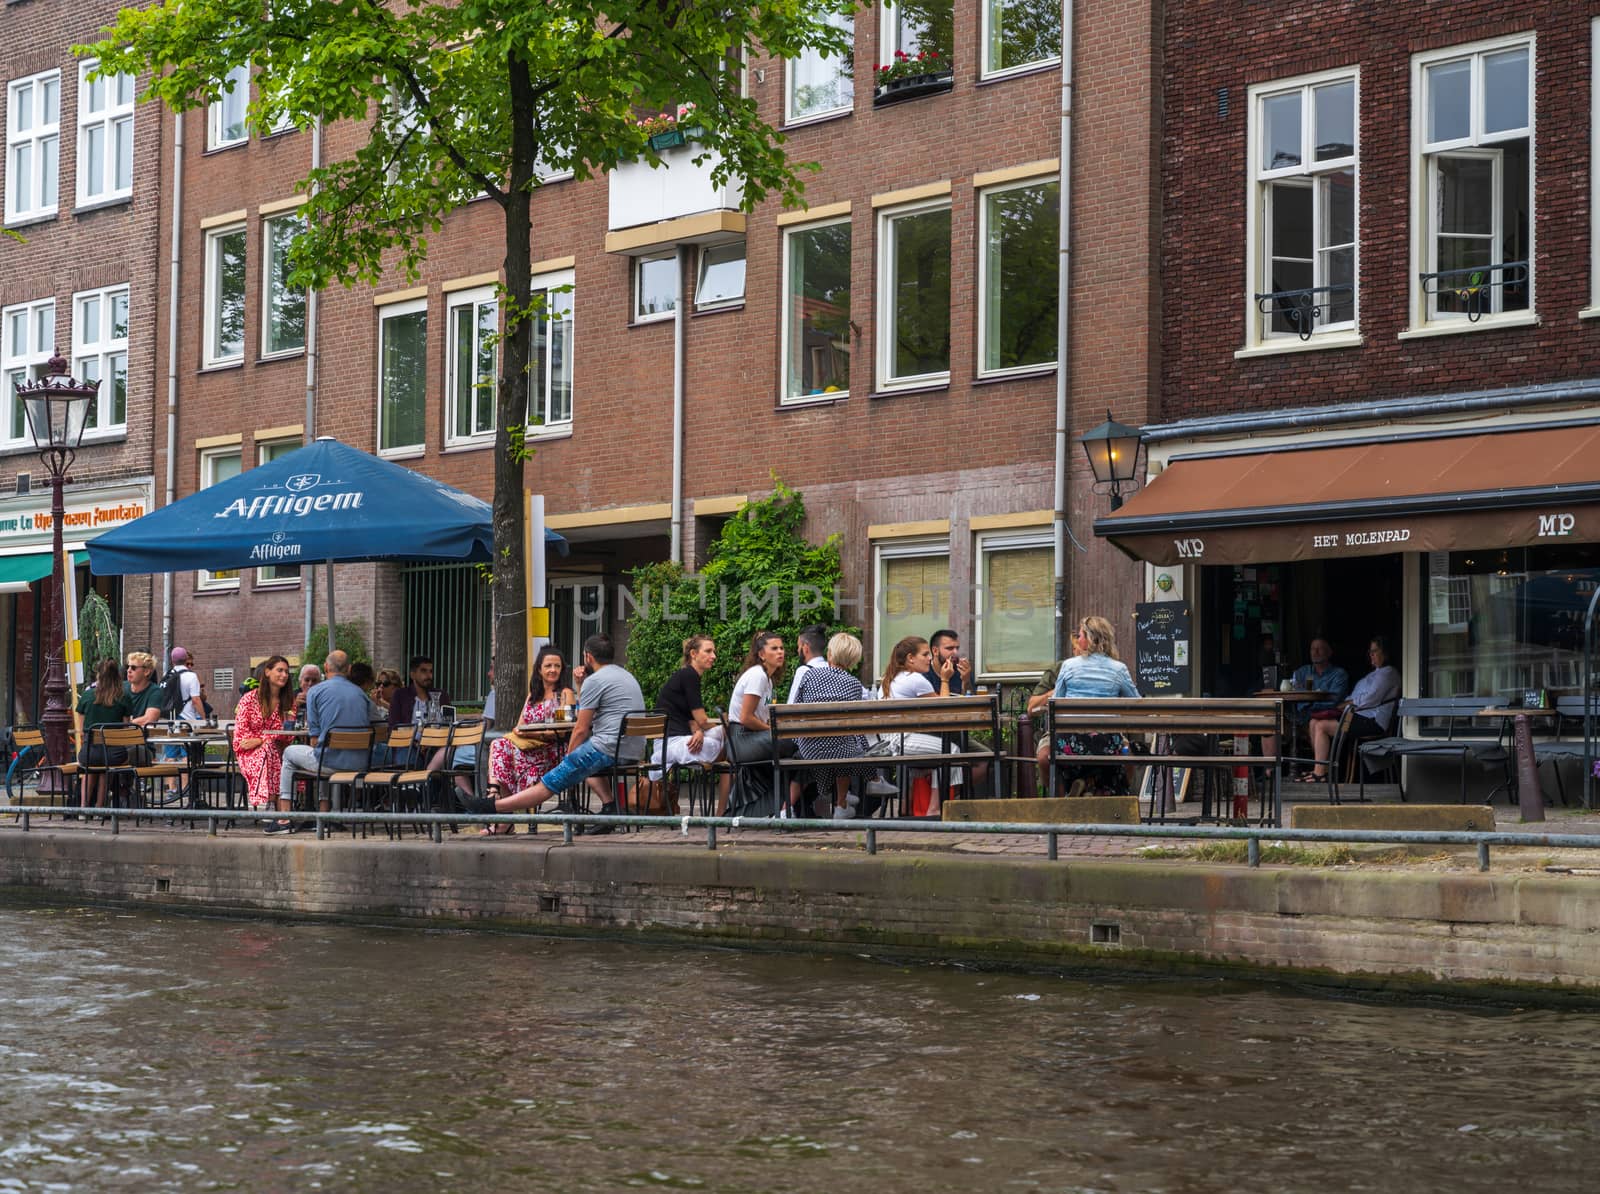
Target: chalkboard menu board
(1161, 636)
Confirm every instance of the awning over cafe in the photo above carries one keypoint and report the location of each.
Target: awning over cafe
(1368, 497)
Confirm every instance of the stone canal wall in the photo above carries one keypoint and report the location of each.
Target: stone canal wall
(1524, 933)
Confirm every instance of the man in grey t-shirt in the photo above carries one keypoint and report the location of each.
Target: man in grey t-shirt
(608, 695)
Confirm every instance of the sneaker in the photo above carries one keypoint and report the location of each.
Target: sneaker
(476, 805)
(881, 787)
(279, 827)
(844, 814)
(852, 800)
(783, 813)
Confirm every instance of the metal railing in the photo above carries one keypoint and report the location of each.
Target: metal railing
(570, 823)
(1302, 310)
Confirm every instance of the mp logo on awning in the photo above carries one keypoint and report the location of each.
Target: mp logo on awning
(1553, 526)
(1190, 549)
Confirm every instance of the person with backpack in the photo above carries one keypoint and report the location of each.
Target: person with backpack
(181, 695)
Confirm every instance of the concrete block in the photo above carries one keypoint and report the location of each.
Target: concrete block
(1082, 810)
(1466, 817)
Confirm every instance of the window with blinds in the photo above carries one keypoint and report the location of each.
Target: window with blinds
(913, 596)
(1016, 617)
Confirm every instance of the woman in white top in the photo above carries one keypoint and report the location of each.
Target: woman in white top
(749, 731)
(906, 678)
(1373, 698)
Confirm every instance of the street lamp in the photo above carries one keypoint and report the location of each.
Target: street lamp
(57, 406)
(1113, 451)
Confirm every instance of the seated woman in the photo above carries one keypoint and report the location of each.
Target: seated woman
(259, 713)
(906, 678)
(836, 682)
(692, 738)
(106, 704)
(1095, 670)
(749, 731)
(519, 761)
(1373, 698)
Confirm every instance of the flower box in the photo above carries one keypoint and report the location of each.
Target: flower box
(913, 86)
(670, 139)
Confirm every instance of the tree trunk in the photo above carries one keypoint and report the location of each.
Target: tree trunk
(509, 591)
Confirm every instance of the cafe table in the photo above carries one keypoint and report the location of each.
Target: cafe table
(1530, 800)
(1294, 696)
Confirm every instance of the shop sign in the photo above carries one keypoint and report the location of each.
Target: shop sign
(26, 521)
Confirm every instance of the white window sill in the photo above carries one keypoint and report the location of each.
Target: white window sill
(226, 145)
(716, 308)
(812, 400)
(1015, 72)
(913, 385)
(640, 321)
(274, 586)
(541, 433)
(221, 366)
(1048, 369)
(467, 445)
(208, 590)
(413, 453)
(283, 354)
(24, 219)
(1457, 327)
(84, 205)
(109, 436)
(1589, 313)
(1273, 348)
(800, 122)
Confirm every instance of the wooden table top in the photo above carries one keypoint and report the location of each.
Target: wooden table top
(1295, 694)
(1513, 711)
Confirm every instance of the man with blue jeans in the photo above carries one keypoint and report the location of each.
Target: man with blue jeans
(608, 695)
(334, 704)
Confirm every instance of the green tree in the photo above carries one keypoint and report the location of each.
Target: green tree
(348, 638)
(470, 97)
(98, 637)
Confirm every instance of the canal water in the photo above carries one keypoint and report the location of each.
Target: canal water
(141, 1052)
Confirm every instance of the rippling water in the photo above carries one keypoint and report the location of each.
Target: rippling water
(151, 1053)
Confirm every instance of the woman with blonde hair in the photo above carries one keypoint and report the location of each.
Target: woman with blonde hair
(836, 682)
(1095, 670)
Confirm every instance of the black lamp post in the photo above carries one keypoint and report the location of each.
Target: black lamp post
(57, 407)
(1113, 451)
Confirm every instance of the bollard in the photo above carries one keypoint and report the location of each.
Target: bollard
(872, 841)
(26, 822)
(1254, 851)
(211, 827)
(1483, 856)
(1050, 847)
(566, 833)
(711, 837)
(116, 824)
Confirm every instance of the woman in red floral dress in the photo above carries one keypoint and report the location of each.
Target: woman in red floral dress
(258, 714)
(516, 763)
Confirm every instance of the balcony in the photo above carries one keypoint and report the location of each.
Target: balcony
(673, 203)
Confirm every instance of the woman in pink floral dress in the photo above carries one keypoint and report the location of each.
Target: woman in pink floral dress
(515, 765)
(258, 714)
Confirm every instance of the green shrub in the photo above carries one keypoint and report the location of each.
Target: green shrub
(97, 633)
(348, 638)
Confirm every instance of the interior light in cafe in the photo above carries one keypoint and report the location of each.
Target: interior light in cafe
(1113, 451)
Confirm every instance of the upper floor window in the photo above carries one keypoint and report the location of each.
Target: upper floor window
(105, 136)
(100, 351)
(816, 329)
(277, 574)
(1019, 34)
(402, 376)
(1018, 295)
(914, 295)
(225, 118)
(550, 386)
(1302, 218)
(474, 322)
(224, 296)
(283, 307)
(720, 278)
(819, 86)
(655, 287)
(1473, 203)
(33, 145)
(219, 465)
(27, 338)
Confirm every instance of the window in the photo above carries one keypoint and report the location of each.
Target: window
(471, 376)
(910, 29)
(27, 338)
(33, 146)
(577, 610)
(1016, 622)
(655, 287)
(100, 352)
(225, 118)
(816, 315)
(720, 278)
(214, 467)
(914, 296)
(1019, 34)
(402, 376)
(283, 307)
(550, 391)
(913, 594)
(224, 312)
(1475, 187)
(819, 86)
(277, 574)
(1302, 217)
(105, 137)
(1018, 293)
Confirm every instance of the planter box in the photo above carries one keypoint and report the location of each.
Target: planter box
(913, 87)
(670, 139)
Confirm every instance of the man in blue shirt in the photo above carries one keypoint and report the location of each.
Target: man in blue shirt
(334, 704)
(1320, 675)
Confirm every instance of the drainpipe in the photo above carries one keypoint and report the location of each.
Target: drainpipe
(311, 388)
(1063, 369)
(175, 260)
(679, 327)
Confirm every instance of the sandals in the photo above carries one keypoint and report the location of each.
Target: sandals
(1311, 777)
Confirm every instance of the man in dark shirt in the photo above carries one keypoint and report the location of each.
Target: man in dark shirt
(947, 647)
(402, 704)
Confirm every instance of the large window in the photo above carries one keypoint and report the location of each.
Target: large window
(1019, 34)
(912, 27)
(1016, 615)
(27, 338)
(474, 322)
(720, 281)
(550, 388)
(33, 146)
(219, 465)
(105, 137)
(914, 296)
(283, 307)
(1475, 185)
(100, 353)
(277, 574)
(225, 118)
(912, 594)
(224, 299)
(402, 376)
(1018, 295)
(816, 311)
(819, 86)
(1303, 208)
(655, 287)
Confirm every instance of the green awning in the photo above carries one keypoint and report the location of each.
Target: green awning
(22, 570)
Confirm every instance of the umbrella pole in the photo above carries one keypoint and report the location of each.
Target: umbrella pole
(329, 579)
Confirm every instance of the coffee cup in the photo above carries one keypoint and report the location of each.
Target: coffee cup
(1286, 686)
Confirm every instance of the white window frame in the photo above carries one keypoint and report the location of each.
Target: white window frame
(889, 34)
(998, 541)
(984, 69)
(217, 111)
(1258, 333)
(110, 119)
(1041, 180)
(33, 358)
(205, 580)
(810, 56)
(1425, 319)
(92, 357)
(785, 398)
(546, 283)
(268, 276)
(473, 299)
(700, 277)
(639, 314)
(385, 313)
(212, 296)
(38, 135)
(1592, 311)
(891, 549)
(883, 313)
(266, 577)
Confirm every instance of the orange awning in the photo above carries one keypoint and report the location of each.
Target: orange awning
(1438, 493)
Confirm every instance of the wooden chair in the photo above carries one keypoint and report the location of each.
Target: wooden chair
(330, 783)
(623, 774)
(130, 739)
(33, 762)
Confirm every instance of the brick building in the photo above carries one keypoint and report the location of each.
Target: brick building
(1379, 285)
(80, 182)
